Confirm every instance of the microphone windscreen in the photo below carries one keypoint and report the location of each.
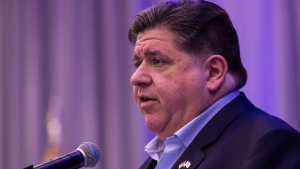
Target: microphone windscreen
(91, 153)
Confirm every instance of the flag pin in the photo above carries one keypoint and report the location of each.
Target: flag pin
(185, 164)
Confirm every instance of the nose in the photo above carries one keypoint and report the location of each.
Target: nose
(141, 76)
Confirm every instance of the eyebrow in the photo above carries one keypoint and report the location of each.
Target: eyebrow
(154, 53)
(150, 53)
(135, 58)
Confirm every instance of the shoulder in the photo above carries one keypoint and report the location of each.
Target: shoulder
(260, 121)
(255, 139)
(276, 144)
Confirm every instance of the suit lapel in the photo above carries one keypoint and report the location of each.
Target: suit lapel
(193, 154)
(212, 130)
(149, 164)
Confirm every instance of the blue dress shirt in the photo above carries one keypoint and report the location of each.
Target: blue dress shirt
(167, 152)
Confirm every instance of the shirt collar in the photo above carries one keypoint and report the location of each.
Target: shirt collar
(155, 148)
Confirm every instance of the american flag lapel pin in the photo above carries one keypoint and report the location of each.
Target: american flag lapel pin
(185, 164)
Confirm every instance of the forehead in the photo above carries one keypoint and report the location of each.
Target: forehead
(155, 38)
(159, 33)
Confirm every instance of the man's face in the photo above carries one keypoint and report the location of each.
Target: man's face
(169, 84)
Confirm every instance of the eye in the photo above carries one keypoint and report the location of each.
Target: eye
(157, 61)
(137, 64)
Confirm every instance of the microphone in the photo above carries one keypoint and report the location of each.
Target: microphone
(86, 155)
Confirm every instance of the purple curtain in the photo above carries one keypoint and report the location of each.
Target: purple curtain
(65, 68)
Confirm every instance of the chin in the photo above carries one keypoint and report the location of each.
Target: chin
(153, 124)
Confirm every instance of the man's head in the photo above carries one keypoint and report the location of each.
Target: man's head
(183, 51)
(201, 29)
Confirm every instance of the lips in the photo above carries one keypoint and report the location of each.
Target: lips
(146, 101)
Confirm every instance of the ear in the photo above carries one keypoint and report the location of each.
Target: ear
(217, 67)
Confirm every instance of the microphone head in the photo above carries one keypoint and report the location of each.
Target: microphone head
(91, 153)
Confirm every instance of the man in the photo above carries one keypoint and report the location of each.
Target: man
(186, 86)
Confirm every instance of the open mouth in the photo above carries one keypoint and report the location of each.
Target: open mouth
(145, 99)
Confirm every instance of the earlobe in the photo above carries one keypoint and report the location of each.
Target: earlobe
(218, 68)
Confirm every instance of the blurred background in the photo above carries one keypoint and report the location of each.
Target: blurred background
(65, 67)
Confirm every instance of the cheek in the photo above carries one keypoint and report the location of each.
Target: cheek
(171, 87)
(177, 93)
(171, 97)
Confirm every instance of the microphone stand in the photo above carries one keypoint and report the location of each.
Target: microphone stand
(29, 167)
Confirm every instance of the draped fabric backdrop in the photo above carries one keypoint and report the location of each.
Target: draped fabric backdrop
(65, 67)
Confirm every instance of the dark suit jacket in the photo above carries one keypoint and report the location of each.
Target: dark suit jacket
(241, 136)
